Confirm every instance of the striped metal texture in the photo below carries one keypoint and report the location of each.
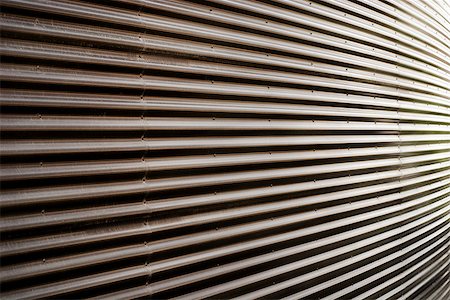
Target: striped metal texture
(225, 149)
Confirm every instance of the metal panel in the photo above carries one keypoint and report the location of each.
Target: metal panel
(225, 149)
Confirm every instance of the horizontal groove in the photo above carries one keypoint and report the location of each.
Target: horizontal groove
(9, 148)
(423, 276)
(51, 170)
(168, 25)
(233, 285)
(225, 149)
(136, 250)
(50, 290)
(36, 196)
(316, 244)
(59, 123)
(442, 259)
(15, 223)
(79, 55)
(39, 244)
(142, 292)
(303, 294)
(386, 108)
(147, 43)
(367, 280)
(228, 178)
(29, 74)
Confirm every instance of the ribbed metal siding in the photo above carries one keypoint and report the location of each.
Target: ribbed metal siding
(225, 149)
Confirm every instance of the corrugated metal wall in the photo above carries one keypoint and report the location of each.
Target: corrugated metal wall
(225, 149)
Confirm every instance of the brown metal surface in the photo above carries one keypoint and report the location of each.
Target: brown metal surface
(225, 149)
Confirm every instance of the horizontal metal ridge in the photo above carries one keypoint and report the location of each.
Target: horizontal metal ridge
(229, 149)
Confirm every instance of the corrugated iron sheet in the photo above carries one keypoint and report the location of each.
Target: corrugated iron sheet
(225, 149)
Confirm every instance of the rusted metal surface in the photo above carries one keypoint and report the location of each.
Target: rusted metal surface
(225, 149)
